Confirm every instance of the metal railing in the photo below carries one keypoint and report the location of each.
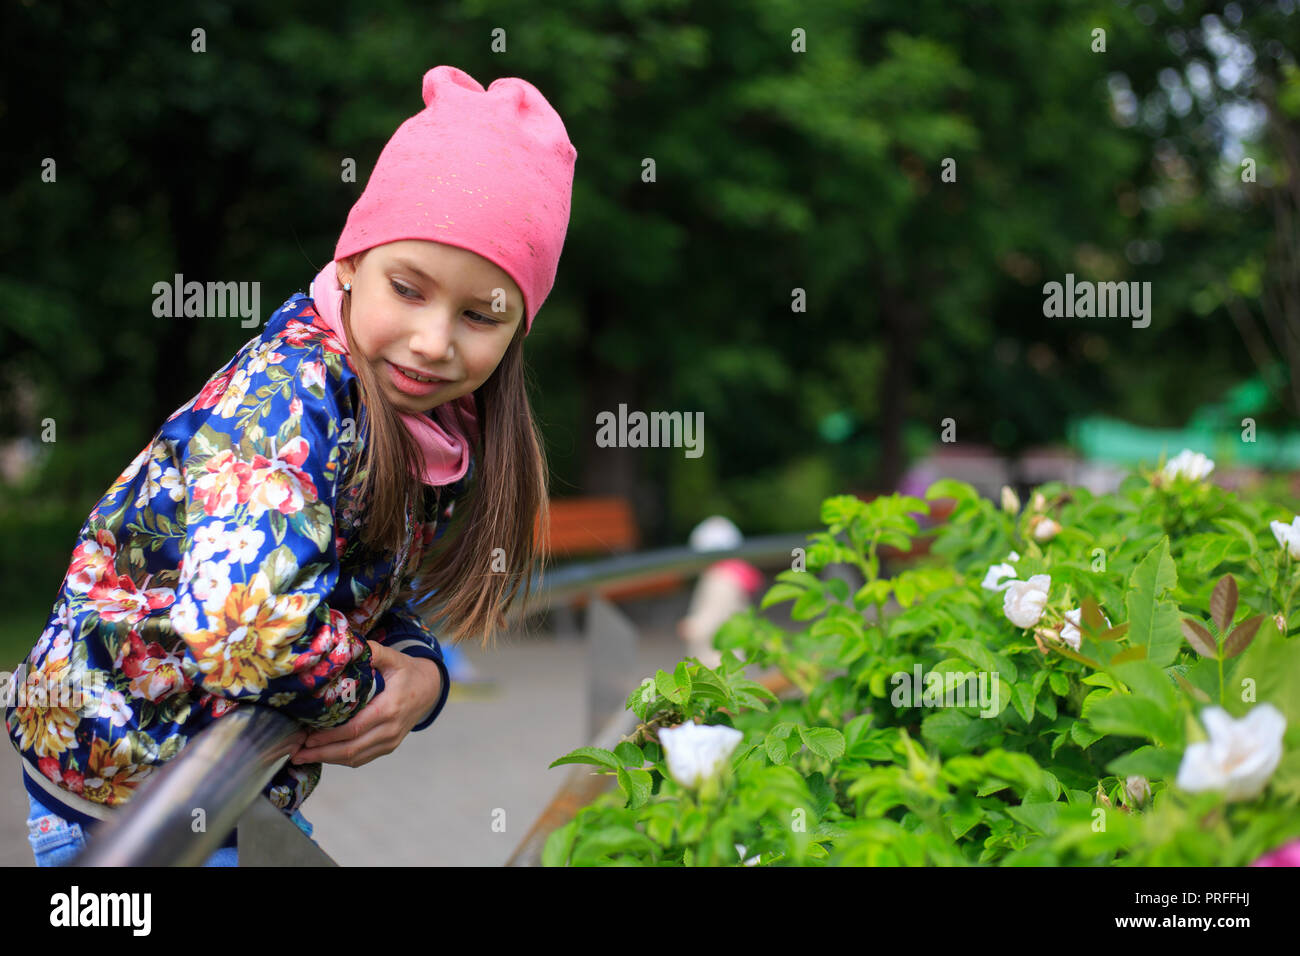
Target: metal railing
(218, 776)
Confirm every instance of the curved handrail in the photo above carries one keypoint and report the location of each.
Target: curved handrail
(211, 782)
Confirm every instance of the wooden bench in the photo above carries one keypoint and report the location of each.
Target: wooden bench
(586, 527)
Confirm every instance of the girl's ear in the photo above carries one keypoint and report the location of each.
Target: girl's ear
(347, 266)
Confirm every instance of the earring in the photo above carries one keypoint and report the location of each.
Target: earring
(347, 287)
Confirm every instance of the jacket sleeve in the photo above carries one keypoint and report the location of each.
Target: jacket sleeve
(259, 558)
(403, 630)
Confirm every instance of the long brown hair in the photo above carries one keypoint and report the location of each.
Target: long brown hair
(464, 576)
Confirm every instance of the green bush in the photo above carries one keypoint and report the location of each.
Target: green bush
(1043, 740)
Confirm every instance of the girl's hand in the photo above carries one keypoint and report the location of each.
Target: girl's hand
(411, 688)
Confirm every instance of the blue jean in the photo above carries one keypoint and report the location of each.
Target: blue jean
(56, 841)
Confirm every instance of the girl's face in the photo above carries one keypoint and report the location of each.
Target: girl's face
(430, 309)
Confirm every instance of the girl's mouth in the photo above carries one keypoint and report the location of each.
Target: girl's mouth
(409, 385)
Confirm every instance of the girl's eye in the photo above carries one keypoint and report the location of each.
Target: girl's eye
(402, 290)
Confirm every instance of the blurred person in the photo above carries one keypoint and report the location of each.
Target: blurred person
(724, 588)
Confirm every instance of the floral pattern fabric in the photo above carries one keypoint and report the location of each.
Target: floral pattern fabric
(222, 567)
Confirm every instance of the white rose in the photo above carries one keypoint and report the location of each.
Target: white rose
(696, 752)
(1046, 530)
(1070, 632)
(1139, 788)
(1190, 463)
(1023, 601)
(1010, 500)
(1240, 755)
(1288, 536)
(995, 575)
(997, 572)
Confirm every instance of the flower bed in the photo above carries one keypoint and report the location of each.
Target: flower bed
(996, 716)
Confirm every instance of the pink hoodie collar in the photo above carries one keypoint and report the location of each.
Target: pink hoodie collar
(444, 448)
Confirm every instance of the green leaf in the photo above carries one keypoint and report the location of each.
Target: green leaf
(706, 685)
(1240, 530)
(629, 754)
(1214, 553)
(775, 743)
(1100, 679)
(1154, 763)
(559, 844)
(1153, 619)
(667, 685)
(589, 755)
(683, 678)
(602, 843)
(963, 816)
(873, 592)
(1039, 817)
(1271, 662)
(781, 591)
(825, 742)
(904, 590)
(1022, 771)
(1146, 680)
(1023, 695)
(636, 785)
(1131, 716)
(1047, 706)
(1083, 735)
(811, 603)
(988, 661)
(782, 730)
(951, 488)
(954, 733)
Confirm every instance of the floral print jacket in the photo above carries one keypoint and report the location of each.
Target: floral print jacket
(223, 566)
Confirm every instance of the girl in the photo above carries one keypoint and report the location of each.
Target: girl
(281, 539)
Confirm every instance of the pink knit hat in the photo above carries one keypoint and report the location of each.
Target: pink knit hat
(486, 171)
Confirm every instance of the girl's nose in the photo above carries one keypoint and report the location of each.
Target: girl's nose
(433, 337)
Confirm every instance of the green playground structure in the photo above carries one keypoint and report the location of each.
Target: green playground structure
(1226, 431)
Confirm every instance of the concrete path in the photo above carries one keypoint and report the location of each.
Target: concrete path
(465, 791)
